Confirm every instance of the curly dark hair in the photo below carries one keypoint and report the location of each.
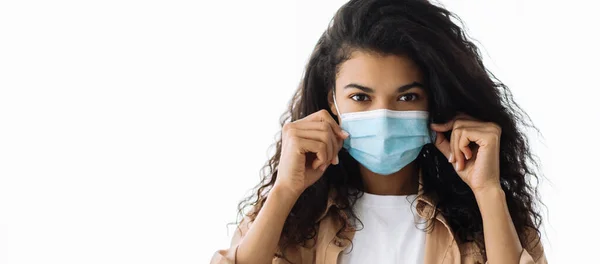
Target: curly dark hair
(456, 81)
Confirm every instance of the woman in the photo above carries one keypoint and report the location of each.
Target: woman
(398, 147)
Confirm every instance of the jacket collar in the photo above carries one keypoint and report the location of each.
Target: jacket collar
(438, 240)
(425, 206)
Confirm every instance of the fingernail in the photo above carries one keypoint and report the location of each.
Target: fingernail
(451, 158)
(323, 167)
(337, 160)
(456, 166)
(346, 134)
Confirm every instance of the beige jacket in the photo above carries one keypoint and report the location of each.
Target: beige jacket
(440, 245)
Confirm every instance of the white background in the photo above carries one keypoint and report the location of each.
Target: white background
(130, 130)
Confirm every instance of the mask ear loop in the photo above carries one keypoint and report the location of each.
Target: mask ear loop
(337, 109)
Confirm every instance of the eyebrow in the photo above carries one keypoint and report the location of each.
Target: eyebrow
(400, 89)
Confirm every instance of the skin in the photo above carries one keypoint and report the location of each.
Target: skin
(477, 164)
(311, 144)
(380, 78)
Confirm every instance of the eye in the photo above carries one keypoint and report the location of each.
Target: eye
(360, 97)
(408, 97)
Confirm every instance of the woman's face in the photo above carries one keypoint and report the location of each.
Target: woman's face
(369, 81)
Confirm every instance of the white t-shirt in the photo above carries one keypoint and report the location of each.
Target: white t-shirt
(392, 233)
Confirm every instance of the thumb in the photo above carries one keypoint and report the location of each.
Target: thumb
(442, 143)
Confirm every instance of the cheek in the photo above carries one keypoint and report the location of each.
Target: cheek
(414, 106)
(423, 104)
(352, 106)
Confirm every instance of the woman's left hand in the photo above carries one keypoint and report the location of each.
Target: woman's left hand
(477, 164)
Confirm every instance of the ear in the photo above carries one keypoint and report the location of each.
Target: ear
(330, 102)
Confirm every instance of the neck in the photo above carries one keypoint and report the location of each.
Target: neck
(402, 182)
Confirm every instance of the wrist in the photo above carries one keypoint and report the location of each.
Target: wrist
(491, 193)
(489, 189)
(284, 193)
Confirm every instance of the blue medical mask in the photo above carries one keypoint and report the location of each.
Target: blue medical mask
(385, 141)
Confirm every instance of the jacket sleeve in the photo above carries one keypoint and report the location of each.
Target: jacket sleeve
(527, 258)
(533, 251)
(228, 256)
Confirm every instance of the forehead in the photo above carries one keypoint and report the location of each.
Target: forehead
(376, 70)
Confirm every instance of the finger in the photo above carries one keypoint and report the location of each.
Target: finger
(458, 157)
(333, 140)
(340, 144)
(320, 164)
(324, 116)
(461, 117)
(310, 125)
(333, 145)
(470, 123)
(313, 146)
(456, 153)
(477, 135)
(442, 143)
(483, 137)
(317, 135)
(463, 145)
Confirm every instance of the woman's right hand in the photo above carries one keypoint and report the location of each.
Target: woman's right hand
(309, 146)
